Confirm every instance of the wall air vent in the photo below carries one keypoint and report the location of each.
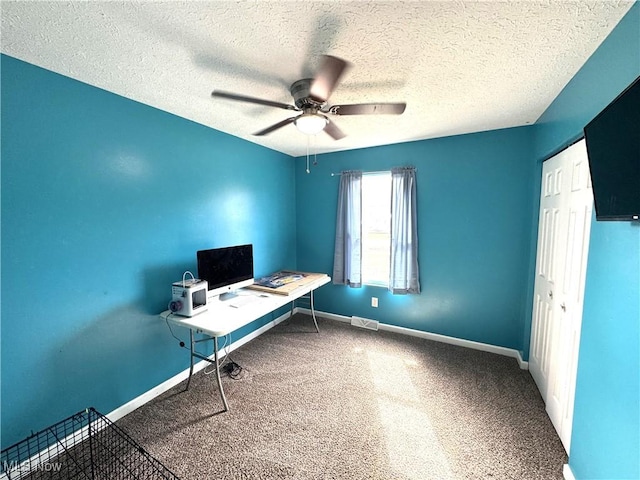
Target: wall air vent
(364, 323)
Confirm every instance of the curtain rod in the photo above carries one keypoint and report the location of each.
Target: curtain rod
(376, 171)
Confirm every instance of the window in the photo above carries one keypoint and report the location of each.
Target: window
(376, 228)
(377, 231)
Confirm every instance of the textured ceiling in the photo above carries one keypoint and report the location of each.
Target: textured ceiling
(461, 66)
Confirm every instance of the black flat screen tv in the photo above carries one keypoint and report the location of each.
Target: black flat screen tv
(613, 147)
(226, 269)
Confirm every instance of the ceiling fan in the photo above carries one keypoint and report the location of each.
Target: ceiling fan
(310, 96)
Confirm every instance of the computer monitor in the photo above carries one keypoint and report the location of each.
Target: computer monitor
(226, 269)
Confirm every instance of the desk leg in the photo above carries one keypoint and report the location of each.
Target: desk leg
(191, 359)
(313, 312)
(215, 353)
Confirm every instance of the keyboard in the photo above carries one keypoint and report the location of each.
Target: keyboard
(242, 300)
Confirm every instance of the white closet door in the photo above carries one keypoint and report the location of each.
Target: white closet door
(551, 232)
(562, 381)
(565, 219)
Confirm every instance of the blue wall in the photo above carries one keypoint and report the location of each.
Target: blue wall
(104, 203)
(475, 202)
(606, 426)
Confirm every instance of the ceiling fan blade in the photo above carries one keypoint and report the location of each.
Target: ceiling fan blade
(276, 126)
(259, 101)
(327, 77)
(333, 131)
(369, 109)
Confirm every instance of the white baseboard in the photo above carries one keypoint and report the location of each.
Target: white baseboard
(485, 347)
(567, 473)
(149, 395)
(524, 365)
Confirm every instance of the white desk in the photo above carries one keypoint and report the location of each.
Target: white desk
(221, 318)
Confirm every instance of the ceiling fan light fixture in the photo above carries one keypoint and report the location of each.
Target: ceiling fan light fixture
(311, 123)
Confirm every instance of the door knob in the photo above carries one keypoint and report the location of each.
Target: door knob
(563, 307)
(550, 294)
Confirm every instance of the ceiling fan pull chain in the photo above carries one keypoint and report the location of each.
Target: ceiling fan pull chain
(315, 152)
(308, 154)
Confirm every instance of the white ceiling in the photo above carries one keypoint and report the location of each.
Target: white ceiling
(461, 66)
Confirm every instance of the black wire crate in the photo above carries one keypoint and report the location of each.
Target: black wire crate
(86, 445)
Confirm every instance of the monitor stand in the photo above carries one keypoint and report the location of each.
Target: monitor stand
(228, 295)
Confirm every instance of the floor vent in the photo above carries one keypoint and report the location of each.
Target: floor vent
(364, 323)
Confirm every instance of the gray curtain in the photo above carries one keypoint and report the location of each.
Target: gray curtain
(347, 257)
(404, 276)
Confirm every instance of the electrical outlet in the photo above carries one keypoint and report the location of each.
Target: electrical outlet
(374, 302)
